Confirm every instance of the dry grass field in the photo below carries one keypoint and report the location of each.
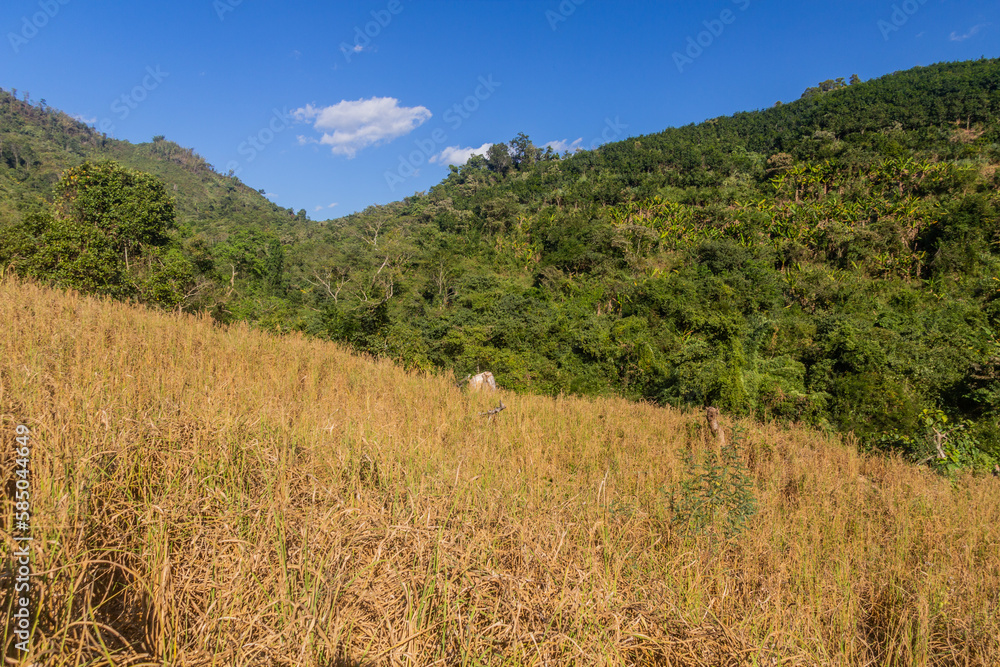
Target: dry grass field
(220, 496)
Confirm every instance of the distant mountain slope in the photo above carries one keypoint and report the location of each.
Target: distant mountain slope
(929, 106)
(38, 142)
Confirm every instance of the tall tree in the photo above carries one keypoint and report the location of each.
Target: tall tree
(104, 219)
(523, 153)
(130, 208)
(498, 158)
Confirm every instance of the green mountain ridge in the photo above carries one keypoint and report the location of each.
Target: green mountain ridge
(832, 261)
(37, 143)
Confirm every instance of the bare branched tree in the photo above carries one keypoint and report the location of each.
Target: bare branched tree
(326, 283)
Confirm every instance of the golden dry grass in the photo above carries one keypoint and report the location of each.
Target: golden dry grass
(208, 496)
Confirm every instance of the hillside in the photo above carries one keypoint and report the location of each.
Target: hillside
(832, 261)
(38, 142)
(217, 495)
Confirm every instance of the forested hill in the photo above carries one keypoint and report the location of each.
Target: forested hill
(927, 98)
(927, 108)
(37, 143)
(833, 260)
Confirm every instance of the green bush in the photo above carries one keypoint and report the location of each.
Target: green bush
(715, 490)
(958, 440)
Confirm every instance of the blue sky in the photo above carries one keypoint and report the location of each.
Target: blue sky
(333, 106)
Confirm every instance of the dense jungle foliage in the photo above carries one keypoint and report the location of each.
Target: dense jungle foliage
(833, 261)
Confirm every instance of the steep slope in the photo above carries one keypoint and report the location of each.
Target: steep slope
(37, 143)
(833, 260)
(215, 495)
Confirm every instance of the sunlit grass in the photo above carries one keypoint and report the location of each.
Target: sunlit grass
(207, 496)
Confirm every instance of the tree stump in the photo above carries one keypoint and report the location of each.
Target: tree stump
(712, 416)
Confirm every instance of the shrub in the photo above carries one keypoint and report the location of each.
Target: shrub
(715, 491)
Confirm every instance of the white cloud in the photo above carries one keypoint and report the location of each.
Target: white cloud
(320, 208)
(85, 119)
(955, 37)
(458, 155)
(561, 146)
(350, 126)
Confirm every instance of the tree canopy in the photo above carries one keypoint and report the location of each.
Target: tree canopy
(105, 219)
